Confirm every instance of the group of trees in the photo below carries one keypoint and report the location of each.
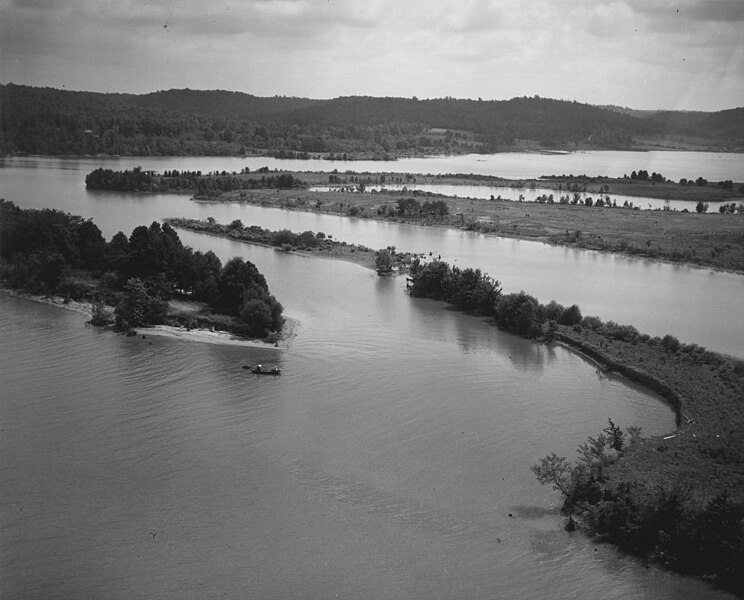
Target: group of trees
(38, 248)
(643, 175)
(412, 208)
(48, 251)
(661, 519)
(282, 238)
(138, 180)
(468, 289)
(471, 290)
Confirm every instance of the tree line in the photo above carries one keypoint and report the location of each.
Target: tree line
(139, 180)
(51, 252)
(218, 123)
(283, 238)
(472, 290)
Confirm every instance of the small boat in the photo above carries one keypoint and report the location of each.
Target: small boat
(259, 370)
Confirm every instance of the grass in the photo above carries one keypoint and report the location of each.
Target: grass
(708, 239)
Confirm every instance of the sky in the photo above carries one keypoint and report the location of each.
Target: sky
(643, 54)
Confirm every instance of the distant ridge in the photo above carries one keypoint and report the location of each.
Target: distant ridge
(185, 121)
(219, 102)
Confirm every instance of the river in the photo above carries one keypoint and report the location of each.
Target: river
(696, 305)
(390, 460)
(528, 194)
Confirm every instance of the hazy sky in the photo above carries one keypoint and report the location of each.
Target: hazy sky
(682, 54)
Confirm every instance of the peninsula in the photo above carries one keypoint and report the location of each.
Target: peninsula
(676, 499)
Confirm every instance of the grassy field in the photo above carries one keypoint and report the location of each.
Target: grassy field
(707, 239)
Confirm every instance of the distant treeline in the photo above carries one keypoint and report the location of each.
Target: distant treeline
(188, 122)
(51, 252)
(138, 180)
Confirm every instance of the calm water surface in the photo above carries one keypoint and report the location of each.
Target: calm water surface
(696, 305)
(516, 194)
(512, 165)
(384, 463)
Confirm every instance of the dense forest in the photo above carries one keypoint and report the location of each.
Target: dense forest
(678, 499)
(51, 252)
(190, 122)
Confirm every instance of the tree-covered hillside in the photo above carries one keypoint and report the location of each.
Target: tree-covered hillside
(215, 122)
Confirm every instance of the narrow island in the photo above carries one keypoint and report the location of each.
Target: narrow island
(580, 214)
(307, 243)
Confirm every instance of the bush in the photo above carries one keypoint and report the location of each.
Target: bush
(553, 310)
(100, 315)
(384, 262)
(520, 313)
(671, 343)
(626, 333)
(570, 315)
(593, 323)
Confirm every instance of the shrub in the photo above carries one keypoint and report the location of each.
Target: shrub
(520, 313)
(671, 343)
(570, 315)
(593, 323)
(100, 315)
(626, 333)
(553, 310)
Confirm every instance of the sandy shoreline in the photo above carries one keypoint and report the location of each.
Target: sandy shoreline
(181, 333)
(204, 336)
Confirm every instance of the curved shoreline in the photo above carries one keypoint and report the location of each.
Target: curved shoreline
(170, 331)
(605, 362)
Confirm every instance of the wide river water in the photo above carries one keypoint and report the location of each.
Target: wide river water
(390, 460)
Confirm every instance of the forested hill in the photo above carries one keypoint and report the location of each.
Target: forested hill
(219, 103)
(191, 122)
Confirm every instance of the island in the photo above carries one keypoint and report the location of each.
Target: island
(581, 213)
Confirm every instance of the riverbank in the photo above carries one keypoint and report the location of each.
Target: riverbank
(675, 499)
(176, 312)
